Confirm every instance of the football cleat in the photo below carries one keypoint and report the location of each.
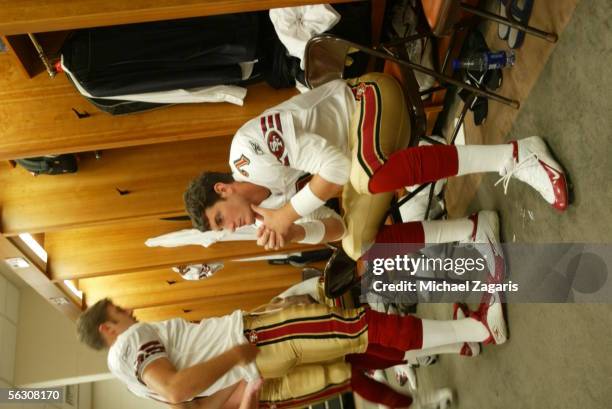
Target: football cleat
(533, 163)
(486, 235)
(491, 315)
(461, 311)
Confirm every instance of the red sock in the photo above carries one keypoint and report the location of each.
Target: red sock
(415, 166)
(394, 331)
(377, 357)
(411, 232)
(377, 392)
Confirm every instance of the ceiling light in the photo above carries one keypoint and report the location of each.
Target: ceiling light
(34, 246)
(17, 262)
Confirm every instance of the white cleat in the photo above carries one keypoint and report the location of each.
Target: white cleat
(491, 315)
(533, 163)
(437, 399)
(460, 311)
(486, 235)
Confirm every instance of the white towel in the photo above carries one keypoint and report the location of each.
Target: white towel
(296, 25)
(195, 237)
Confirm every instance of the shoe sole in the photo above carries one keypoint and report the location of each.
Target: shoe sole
(502, 336)
(568, 182)
(493, 216)
(459, 313)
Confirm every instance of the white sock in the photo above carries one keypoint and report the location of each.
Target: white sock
(482, 158)
(442, 349)
(446, 231)
(436, 333)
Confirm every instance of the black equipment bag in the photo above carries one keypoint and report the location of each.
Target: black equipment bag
(162, 56)
(50, 165)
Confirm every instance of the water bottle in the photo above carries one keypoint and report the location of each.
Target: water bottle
(489, 60)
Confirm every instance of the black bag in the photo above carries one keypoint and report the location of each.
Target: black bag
(162, 56)
(49, 165)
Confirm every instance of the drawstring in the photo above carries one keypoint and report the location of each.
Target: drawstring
(529, 161)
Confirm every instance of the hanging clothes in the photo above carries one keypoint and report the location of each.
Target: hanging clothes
(162, 56)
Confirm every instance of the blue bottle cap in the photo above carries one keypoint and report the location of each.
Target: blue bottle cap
(456, 64)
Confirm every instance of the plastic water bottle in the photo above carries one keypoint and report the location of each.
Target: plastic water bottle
(490, 60)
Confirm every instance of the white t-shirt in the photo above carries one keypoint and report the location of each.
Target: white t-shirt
(306, 134)
(184, 344)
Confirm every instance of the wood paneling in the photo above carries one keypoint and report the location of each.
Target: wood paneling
(36, 117)
(164, 287)
(207, 307)
(154, 175)
(119, 248)
(24, 55)
(33, 16)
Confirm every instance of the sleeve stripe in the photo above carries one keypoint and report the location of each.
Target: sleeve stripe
(278, 122)
(271, 122)
(145, 353)
(149, 344)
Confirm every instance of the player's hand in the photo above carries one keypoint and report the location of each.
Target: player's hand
(276, 220)
(254, 386)
(269, 239)
(245, 353)
(250, 399)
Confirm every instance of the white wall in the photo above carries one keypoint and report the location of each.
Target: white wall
(9, 317)
(48, 351)
(112, 394)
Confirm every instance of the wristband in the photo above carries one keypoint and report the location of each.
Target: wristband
(305, 201)
(314, 232)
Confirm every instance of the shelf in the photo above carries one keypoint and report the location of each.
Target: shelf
(34, 16)
(154, 177)
(207, 306)
(119, 248)
(37, 119)
(163, 287)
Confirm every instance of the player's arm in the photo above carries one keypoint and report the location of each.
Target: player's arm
(321, 226)
(334, 230)
(177, 386)
(311, 197)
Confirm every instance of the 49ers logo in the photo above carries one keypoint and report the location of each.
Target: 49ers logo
(272, 130)
(277, 146)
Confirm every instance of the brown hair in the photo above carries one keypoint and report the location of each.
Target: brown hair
(90, 320)
(200, 195)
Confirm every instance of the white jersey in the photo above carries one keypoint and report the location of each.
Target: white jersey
(307, 134)
(184, 344)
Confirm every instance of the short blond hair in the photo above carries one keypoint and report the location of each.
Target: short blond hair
(89, 322)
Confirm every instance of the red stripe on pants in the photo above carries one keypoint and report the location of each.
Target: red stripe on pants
(415, 166)
(369, 130)
(394, 331)
(331, 326)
